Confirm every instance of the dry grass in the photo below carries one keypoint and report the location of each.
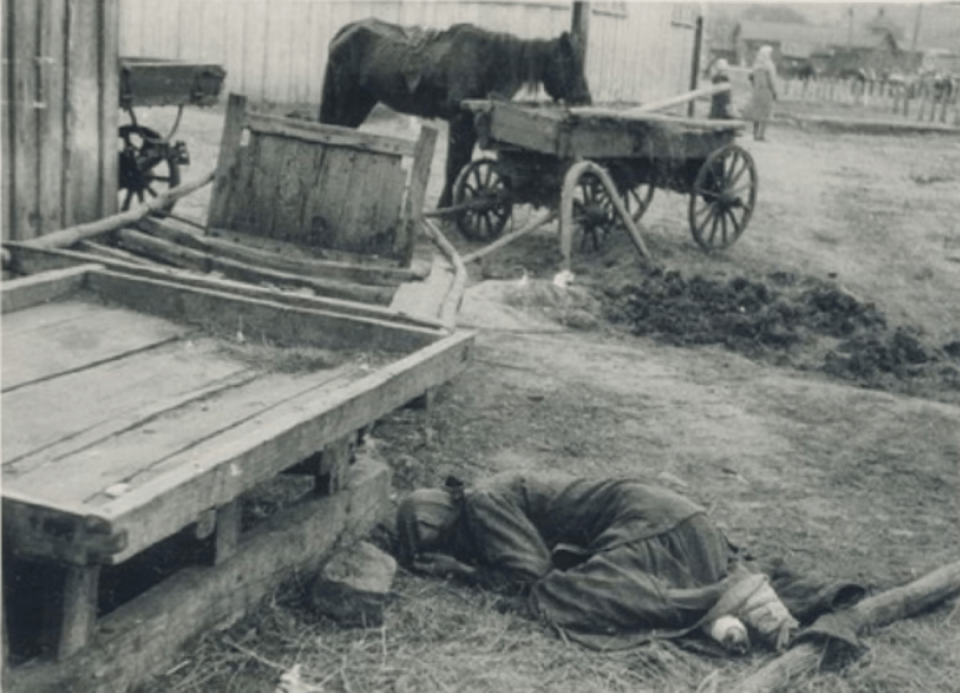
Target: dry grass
(444, 637)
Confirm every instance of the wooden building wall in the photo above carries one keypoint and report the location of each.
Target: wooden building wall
(275, 50)
(60, 114)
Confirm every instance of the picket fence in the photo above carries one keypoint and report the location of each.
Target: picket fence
(921, 103)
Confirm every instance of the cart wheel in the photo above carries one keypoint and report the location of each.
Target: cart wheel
(479, 182)
(723, 197)
(149, 165)
(594, 214)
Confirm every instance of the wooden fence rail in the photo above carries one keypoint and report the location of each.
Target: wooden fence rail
(919, 100)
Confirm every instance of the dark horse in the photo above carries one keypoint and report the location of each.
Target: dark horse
(428, 73)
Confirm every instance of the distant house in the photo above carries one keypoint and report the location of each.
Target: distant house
(827, 50)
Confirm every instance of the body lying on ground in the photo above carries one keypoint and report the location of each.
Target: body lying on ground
(611, 562)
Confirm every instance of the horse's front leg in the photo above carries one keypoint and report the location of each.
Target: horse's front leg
(462, 137)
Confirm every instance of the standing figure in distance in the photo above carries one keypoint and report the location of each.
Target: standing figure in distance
(763, 78)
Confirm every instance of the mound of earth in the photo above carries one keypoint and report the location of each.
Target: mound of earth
(800, 322)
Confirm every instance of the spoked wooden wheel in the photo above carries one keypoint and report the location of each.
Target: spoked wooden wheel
(149, 165)
(594, 214)
(481, 185)
(724, 194)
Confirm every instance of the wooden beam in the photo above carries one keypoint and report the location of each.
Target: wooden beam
(142, 637)
(228, 531)
(228, 158)
(377, 275)
(29, 260)
(67, 237)
(332, 135)
(30, 291)
(872, 612)
(79, 615)
(199, 261)
(284, 324)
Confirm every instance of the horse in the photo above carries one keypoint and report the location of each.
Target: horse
(428, 73)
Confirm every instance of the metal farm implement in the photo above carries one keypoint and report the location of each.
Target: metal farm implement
(599, 167)
(150, 162)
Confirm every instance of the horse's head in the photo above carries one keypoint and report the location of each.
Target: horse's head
(565, 79)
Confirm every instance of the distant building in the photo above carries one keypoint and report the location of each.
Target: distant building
(826, 50)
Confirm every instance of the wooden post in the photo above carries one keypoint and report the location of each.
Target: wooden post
(331, 471)
(695, 68)
(580, 28)
(228, 532)
(79, 614)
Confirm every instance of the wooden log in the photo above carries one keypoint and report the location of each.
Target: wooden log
(664, 104)
(205, 262)
(540, 221)
(361, 274)
(111, 253)
(892, 605)
(67, 237)
(454, 297)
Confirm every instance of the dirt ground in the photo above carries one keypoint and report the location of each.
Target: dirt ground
(803, 385)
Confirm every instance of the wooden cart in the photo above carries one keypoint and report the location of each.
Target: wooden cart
(150, 162)
(142, 402)
(538, 146)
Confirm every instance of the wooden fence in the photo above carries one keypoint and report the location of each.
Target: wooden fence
(918, 101)
(276, 50)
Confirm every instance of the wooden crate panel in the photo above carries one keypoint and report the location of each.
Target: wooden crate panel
(340, 198)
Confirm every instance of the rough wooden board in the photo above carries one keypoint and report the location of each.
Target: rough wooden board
(105, 430)
(210, 473)
(426, 297)
(30, 291)
(258, 319)
(45, 413)
(152, 446)
(53, 339)
(37, 260)
(142, 637)
(318, 133)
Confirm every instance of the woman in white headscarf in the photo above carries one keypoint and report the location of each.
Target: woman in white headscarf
(763, 78)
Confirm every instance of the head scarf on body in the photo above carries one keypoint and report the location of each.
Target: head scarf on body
(426, 507)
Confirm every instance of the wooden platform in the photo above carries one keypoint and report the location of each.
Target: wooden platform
(135, 407)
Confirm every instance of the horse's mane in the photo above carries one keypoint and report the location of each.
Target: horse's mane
(526, 58)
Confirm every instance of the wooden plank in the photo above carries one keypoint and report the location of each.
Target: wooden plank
(52, 156)
(79, 615)
(33, 260)
(103, 431)
(331, 135)
(51, 411)
(117, 465)
(37, 348)
(22, 36)
(39, 528)
(228, 160)
(143, 637)
(294, 165)
(83, 166)
(108, 39)
(282, 324)
(361, 274)
(19, 294)
(206, 262)
(209, 472)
